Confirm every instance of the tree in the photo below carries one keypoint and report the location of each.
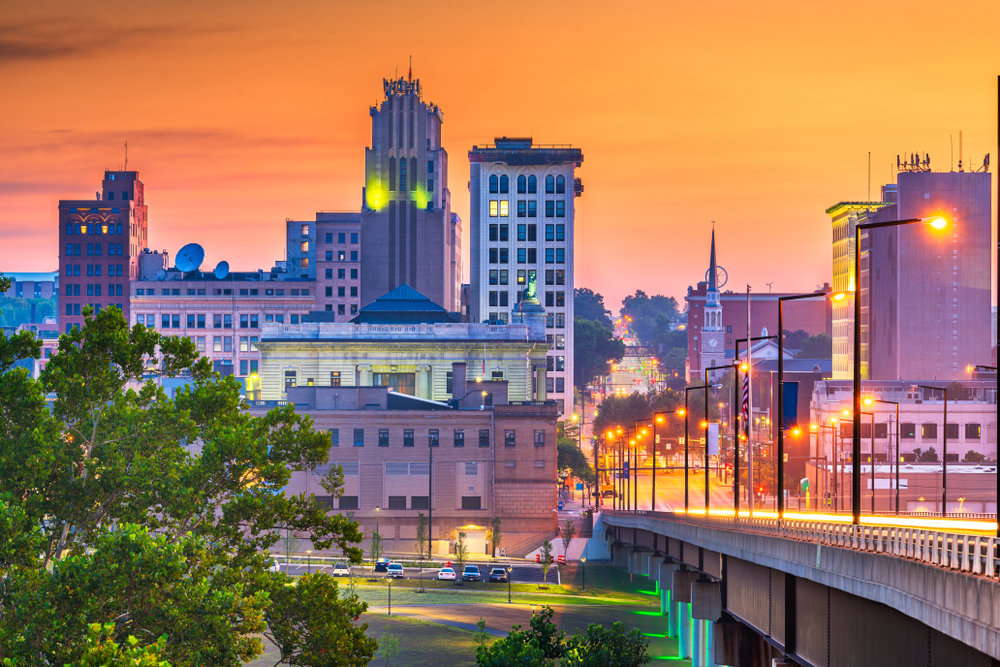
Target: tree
(571, 459)
(594, 347)
(819, 346)
(568, 533)
(794, 339)
(422, 540)
(646, 312)
(546, 560)
(496, 534)
(461, 554)
(607, 648)
(90, 477)
(388, 646)
(375, 547)
(929, 456)
(590, 306)
(972, 456)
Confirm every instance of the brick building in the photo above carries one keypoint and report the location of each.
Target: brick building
(328, 251)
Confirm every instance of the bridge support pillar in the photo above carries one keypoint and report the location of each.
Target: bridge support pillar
(681, 586)
(684, 628)
(673, 617)
(654, 569)
(709, 644)
(706, 600)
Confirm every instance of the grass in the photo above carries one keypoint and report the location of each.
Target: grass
(379, 595)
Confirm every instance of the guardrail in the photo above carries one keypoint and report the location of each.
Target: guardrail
(975, 554)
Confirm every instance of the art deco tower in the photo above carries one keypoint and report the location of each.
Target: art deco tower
(409, 236)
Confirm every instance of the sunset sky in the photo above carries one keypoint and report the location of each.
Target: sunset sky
(238, 115)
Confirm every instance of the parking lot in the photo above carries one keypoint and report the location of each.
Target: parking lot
(522, 573)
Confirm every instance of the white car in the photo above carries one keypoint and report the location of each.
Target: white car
(275, 566)
(342, 569)
(446, 573)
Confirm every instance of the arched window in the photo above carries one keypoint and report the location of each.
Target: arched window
(504, 184)
(560, 185)
(493, 184)
(550, 185)
(522, 185)
(413, 173)
(532, 184)
(392, 174)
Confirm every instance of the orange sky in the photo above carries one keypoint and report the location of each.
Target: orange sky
(758, 115)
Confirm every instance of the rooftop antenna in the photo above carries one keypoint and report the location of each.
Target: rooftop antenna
(769, 287)
(409, 76)
(869, 176)
(951, 138)
(126, 156)
(959, 150)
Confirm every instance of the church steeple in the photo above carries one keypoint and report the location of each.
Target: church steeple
(713, 268)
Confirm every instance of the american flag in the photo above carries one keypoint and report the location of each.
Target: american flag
(746, 398)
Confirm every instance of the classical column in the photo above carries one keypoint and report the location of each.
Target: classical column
(423, 381)
(364, 375)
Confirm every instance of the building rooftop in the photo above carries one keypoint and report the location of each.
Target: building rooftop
(522, 151)
(442, 331)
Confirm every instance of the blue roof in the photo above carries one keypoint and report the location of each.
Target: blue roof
(403, 299)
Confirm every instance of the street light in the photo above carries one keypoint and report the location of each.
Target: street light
(687, 440)
(868, 401)
(781, 395)
(510, 575)
(745, 367)
(937, 222)
(308, 561)
(658, 419)
(944, 453)
(376, 519)
(583, 565)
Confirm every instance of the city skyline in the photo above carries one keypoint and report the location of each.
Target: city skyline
(229, 138)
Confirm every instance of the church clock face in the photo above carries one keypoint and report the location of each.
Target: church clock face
(713, 342)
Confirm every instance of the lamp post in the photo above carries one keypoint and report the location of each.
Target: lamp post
(687, 440)
(583, 565)
(658, 419)
(308, 561)
(745, 367)
(897, 456)
(937, 222)
(430, 496)
(871, 459)
(833, 452)
(376, 519)
(781, 392)
(944, 452)
(510, 575)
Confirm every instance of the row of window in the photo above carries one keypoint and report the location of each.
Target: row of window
(126, 196)
(433, 438)
(93, 289)
(529, 185)
(341, 256)
(557, 342)
(94, 249)
(341, 236)
(342, 291)
(341, 274)
(552, 276)
(908, 431)
(341, 310)
(501, 232)
(219, 321)
(78, 228)
(96, 306)
(527, 209)
(175, 291)
(527, 256)
(94, 270)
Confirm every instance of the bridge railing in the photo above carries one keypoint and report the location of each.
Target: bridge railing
(975, 554)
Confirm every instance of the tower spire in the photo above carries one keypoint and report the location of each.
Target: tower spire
(712, 266)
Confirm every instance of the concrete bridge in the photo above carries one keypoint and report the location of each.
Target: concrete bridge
(756, 592)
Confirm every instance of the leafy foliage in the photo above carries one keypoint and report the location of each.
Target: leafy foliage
(819, 346)
(119, 504)
(422, 541)
(650, 314)
(594, 347)
(546, 560)
(600, 647)
(15, 311)
(496, 534)
(589, 305)
(461, 553)
(567, 534)
(929, 456)
(571, 459)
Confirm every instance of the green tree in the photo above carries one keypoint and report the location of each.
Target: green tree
(794, 339)
(546, 560)
(594, 348)
(496, 534)
(388, 646)
(646, 312)
(600, 647)
(109, 459)
(461, 554)
(589, 305)
(929, 456)
(571, 459)
(819, 346)
(422, 540)
(567, 533)
(375, 547)
(972, 456)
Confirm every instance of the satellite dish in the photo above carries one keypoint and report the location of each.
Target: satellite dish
(161, 274)
(221, 270)
(189, 257)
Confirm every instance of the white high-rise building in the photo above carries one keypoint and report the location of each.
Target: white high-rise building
(521, 223)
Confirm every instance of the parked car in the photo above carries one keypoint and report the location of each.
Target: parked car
(395, 570)
(498, 574)
(472, 573)
(446, 573)
(382, 565)
(275, 566)
(342, 569)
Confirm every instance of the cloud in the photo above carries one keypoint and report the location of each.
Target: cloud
(63, 38)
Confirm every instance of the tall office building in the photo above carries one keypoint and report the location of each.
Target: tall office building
(328, 250)
(925, 293)
(521, 225)
(409, 236)
(100, 241)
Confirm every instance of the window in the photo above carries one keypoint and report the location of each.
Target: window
(532, 232)
(341, 256)
(550, 255)
(175, 320)
(493, 298)
(494, 184)
(504, 255)
(348, 502)
(560, 385)
(550, 209)
(532, 185)
(419, 503)
(329, 291)
(494, 208)
(503, 298)
(951, 430)
(560, 363)
(550, 232)
(341, 309)
(560, 210)
(359, 437)
(560, 185)
(354, 291)
(540, 437)
(341, 291)
(503, 276)
(494, 276)
(550, 185)
(304, 246)
(335, 437)
(342, 236)
(290, 378)
(460, 438)
(341, 273)
(509, 438)
(560, 341)
(494, 232)
(522, 208)
(504, 208)
(560, 232)
(522, 255)
(471, 502)
(928, 431)
(504, 184)
(504, 233)
(560, 298)
(522, 185)
(532, 209)
(354, 255)
(334, 378)
(397, 503)
(522, 232)
(484, 437)
(383, 437)
(329, 256)
(354, 238)
(973, 432)
(408, 437)
(227, 321)
(432, 437)
(560, 255)
(354, 274)
(560, 276)
(560, 320)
